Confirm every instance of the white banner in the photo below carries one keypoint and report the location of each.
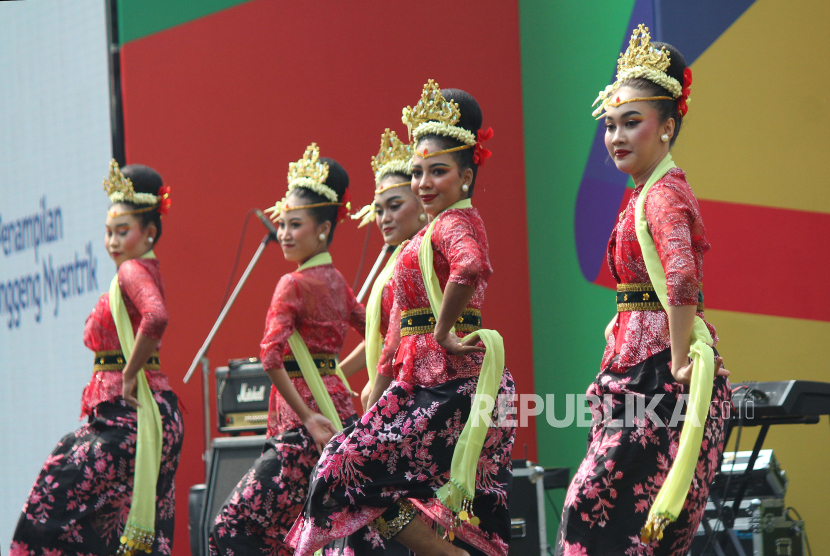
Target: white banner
(55, 148)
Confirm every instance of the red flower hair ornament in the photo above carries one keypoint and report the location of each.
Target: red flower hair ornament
(480, 154)
(345, 206)
(683, 101)
(164, 199)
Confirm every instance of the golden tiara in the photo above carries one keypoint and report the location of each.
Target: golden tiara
(641, 52)
(310, 173)
(640, 60)
(433, 114)
(119, 188)
(116, 182)
(393, 157)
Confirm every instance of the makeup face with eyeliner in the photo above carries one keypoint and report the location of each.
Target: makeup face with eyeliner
(124, 237)
(298, 233)
(632, 135)
(397, 212)
(436, 180)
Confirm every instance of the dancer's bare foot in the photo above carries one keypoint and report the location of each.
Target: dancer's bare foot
(418, 537)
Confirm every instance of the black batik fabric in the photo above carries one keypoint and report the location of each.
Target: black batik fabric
(403, 448)
(261, 509)
(610, 496)
(81, 499)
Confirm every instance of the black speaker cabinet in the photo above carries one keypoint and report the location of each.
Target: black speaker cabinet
(231, 459)
(195, 503)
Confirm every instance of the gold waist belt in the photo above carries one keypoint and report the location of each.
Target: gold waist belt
(326, 364)
(641, 297)
(113, 360)
(422, 321)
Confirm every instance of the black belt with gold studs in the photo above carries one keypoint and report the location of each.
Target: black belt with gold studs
(326, 364)
(422, 321)
(114, 360)
(641, 297)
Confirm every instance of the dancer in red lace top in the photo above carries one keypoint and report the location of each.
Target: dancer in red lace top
(399, 215)
(677, 228)
(386, 470)
(646, 357)
(143, 291)
(315, 302)
(81, 499)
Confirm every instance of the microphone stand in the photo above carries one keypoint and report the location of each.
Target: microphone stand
(201, 355)
(373, 272)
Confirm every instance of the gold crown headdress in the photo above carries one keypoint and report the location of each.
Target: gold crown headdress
(433, 114)
(640, 60)
(119, 189)
(394, 157)
(310, 173)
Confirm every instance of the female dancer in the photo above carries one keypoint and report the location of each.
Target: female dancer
(399, 215)
(306, 325)
(407, 450)
(100, 473)
(656, 255)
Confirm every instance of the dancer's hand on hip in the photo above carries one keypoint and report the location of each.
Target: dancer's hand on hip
(456, 346)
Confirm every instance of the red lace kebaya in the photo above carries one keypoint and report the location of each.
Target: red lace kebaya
(143, 292)
(674, 219)
(319, 304)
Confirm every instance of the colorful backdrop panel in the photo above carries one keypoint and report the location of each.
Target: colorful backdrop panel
(752, 150)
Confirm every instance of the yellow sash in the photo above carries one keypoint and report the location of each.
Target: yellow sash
(139, 532)
(669, 501)
(306, 363)
(374, 339)
(458, 493)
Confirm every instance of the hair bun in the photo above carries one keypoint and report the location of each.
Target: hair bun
(338, 178)
(471, 117)
(144, 178)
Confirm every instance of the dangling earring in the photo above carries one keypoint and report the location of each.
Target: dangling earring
(422, 217)
(465, 188)
(322, 237)
(664, 137)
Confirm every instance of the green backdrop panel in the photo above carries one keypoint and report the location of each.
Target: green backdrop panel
(568, 53)
(139, 18)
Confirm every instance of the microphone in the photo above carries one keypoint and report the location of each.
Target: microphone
(267, 223)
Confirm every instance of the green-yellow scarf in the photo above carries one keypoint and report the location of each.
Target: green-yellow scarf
(374, 339)
(306, 363)
(669, 501)
(139, 532)
(458, 493)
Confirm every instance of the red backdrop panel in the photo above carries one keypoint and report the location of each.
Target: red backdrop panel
(730, 274)
(221, 105)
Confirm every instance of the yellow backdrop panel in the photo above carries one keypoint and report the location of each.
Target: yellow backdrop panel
(763, 85)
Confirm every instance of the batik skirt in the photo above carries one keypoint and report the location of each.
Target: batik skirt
(81, 499)
(259, 512)
(402, 448)
(610, 496)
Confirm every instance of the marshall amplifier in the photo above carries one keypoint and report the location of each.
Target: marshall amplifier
(242, 393)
